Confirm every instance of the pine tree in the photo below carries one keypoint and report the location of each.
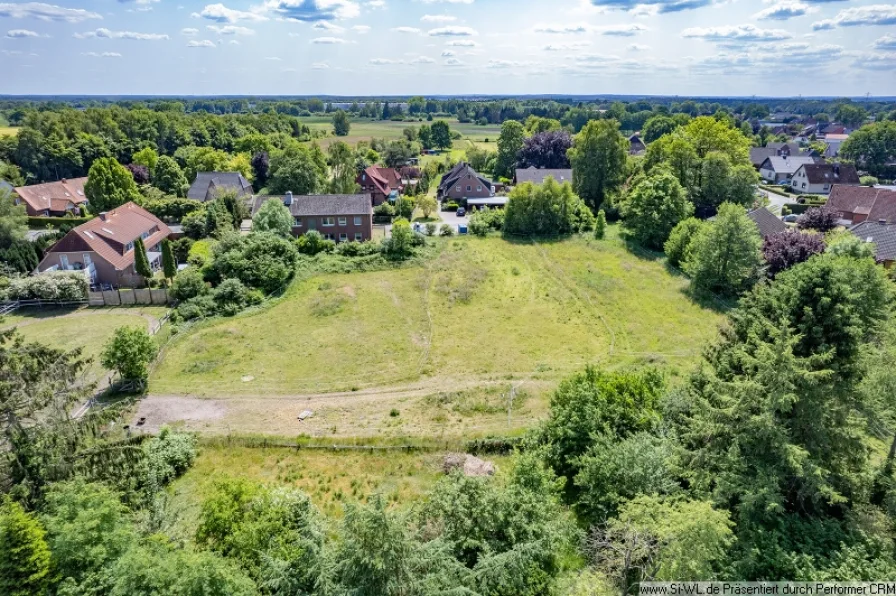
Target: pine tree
(24, 554)
(141, 261)
(169, 265)
(600, 225)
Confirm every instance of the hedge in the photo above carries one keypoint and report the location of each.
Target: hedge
(797, 208)
(54, 285)
(41, 223)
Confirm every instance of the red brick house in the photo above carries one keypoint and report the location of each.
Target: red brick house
(53, 199)
(382, 184)
(340, 218)
(855, 204)
(104, 246)
(462, 182)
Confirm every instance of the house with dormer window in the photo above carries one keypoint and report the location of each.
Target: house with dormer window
(52, 199)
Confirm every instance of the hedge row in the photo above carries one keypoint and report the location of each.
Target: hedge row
(56, 222)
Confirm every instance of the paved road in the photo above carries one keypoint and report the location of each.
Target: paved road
(776, 201)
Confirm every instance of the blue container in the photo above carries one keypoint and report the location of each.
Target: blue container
(461, 229)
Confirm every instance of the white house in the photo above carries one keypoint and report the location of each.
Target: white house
(819, 178)
(778, 169)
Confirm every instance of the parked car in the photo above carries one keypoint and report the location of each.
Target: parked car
(461, 211)
(791, 218)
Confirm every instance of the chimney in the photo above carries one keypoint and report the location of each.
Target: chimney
(102, 216)
(882, 222)
(836, 169)
(288, 199)
(64, 180)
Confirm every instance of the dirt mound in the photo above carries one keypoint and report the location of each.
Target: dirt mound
(470, 465)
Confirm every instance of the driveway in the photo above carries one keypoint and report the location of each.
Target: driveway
(776, 201)
(451, 218)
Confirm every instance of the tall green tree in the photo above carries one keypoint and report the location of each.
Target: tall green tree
(296, 169)
(341, 160)
(598, 158)
(341, 123)
(146, 157)
(141, 260)
(109, 185)
(654, 207)
(129, 352)
(547, 209)
(441, 134)
(509, 144)
(169, 178)
(24, 553)
(169, 264)
(13, 219)
(274, 217)
(725, 256)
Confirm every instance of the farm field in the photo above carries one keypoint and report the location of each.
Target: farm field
(84, 328)
(8, 130)
(365, 129)
(483, 315)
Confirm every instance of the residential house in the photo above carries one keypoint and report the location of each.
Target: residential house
(53, 199)
(340, 218)
(210, 185)
(538, 176)
(636, 146)
(818, 178)
(462, 182)
(104, 246)
(767, 222)
(758, 155)
(855, 204)
(778, 169)
(832, 143)
(382, 184)
(883, 235)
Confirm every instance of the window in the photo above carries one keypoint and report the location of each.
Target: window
(88, 261)
(328, 236)
(358, 236)
(128, 246)
(329, 221)
(478, 188)
(343, 237)
(469, 188)
(297, 222)
(343, 221)
(144, 235)
(458, 189)
(63, 261)
(357, 221)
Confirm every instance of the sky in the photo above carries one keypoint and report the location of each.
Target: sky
(449, 47)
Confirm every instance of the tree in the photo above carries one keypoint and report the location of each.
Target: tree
(785, 249)
(720, 181)
(147, 157)
(427, 204)
(657, 126)
(441, 134)
(141, 261)
(13, 220)
(654, 208)
(140, 173)
(341, 123)
(600, 225)
(109, 185)
(205, 159)
(169, 178)
(129, 352)
(424, 135)
(819, 219)
(262, 261)
(298, 171)
(341, 160)
(846, 244)
(274, 217)
(260, 166)
(678, 246)
(547, 209)
(598, 158)
(400, 244)
(850, 115)
(545, 150)
(725, 256)
(872, 147)
(24, 554)
(169, 264)
(509, 144)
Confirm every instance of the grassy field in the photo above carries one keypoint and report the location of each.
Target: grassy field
(485, 311)
(82, 328)
(8, 130)
(364, 130)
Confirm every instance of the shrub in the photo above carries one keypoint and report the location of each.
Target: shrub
(188, 284)
(431, 229)
(450, 206)
(819, 219)
(200, 253)
(312, 243)
(600, 225)
(400, 244)
(678, 245)
(868, 181)
(129, 352)
(231, 296)
(785, 249)
(548, 209)
(42, 223)
(168, 456)
(54, 285)
(384, 210)
(483, 220)
(260, 260)
(171, 209)
(446, 230)
(357, 249)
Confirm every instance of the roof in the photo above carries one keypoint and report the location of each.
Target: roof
(829, 173)
(878, 203)
(488, 201)
(109, 235)
(759, 154)
(317, 205)
(42, 196)
(882, 235)
(4, 185)
(391, 176)
(460, 170)
(538, 176)
(384, 179)
(766, 221)
(786, 165)
(835, 137)
(208, 184)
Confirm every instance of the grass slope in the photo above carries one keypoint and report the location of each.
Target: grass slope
(483, 311)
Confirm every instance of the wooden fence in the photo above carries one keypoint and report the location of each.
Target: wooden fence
(127, 297)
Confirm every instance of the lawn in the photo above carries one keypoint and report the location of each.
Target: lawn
(8, 130)
(84, 328)
(483, 312)
(365, 129)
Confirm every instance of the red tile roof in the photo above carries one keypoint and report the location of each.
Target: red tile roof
(109, 237)
(391, 176)
(54, 196)
(859, 199)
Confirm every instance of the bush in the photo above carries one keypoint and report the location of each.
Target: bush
(819, 219)
(788, 248)
(262, 261)
(54, 285)
(794, 208)
(231, 296)
(200, 253)
(312, 243)
(446, 230)
(548, 209)
(431, 229)
(450, 206)
(868, 181)
(483, 220)
(168, 456)
(678, 245)
(171, 209)
(384, 210)
(188, 284)
(357, 249)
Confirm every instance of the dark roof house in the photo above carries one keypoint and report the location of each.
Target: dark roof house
(538, 176)
(635, 145)
(462, 182)
(760, 154)
(855, 204)
(210, 185)
(883, 235)
(767, 222)
(831, 173)
(317, 205)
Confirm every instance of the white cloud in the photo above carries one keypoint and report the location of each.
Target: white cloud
(781, 11)
(102, 54)
(422, 60)
(655, 6)
(234, 42)
(21, 33)
(384, 61)
(507, 64)
(876, 14)
(189, 31)
(361, 28)
(637, 47)
(438, 18)
(462, 43)
(887, 42)
(452, 31)
(222, 14)
(231, 30)
(328, 40)
(320, 66)
(104, 33)
(622, 30)
(327, 26)
(454, 62)
(46, 12)
(736, 33)
(565, 47)
(413, 30)
(876, 61)
(313, 10)
(447, 54)
(563, 29)
(205, 43)
(374, 4)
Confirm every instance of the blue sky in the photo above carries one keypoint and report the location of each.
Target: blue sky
(375, 47)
